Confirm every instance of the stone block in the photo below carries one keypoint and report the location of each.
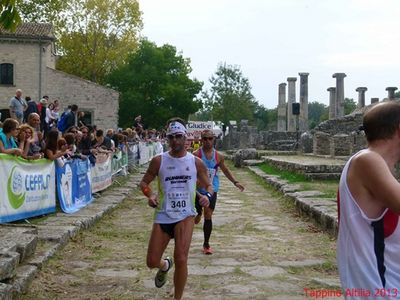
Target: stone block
(8, 264)
(24, 277)
(340, 145)
(6, 291)
(321, 143)
(306, 142)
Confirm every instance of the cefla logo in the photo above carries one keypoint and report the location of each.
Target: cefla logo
(15, 187)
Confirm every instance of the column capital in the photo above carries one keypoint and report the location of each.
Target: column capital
(283, 84)
(304, 74)
(331, 89)
(291, 78)
(391, 88)
(339, 75)
(361, 89)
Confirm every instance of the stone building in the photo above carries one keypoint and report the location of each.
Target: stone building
(27, 62)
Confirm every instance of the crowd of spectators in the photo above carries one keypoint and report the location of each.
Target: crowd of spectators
(33, 132)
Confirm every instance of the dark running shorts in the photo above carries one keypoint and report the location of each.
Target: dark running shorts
(213, 202)
(169, 229)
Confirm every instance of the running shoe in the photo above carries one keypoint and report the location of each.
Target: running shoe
(197, 219)
(161, 276)
(207, 250)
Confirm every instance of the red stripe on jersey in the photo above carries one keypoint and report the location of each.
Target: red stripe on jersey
(390, 221)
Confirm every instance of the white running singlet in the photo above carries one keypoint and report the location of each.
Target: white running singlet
(177, 188)
(368, 250)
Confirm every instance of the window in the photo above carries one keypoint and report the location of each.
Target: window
(6, 73)
(4, 114)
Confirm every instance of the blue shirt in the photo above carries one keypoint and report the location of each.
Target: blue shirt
(8, 144)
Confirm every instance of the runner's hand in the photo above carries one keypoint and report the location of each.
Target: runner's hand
(203, 200)
(239, 186)
(153, 200)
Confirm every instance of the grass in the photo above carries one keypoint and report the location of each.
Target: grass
(291, 177)
(327, 187)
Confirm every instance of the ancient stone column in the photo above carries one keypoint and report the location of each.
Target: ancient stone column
(303, 118)
(332, 103)
(282, 123)
(374, 100)
(361, 96)
(291, 119)
(339, 93)
(391, 90)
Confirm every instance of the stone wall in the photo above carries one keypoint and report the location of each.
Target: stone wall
(102, 102)
(26, 60)
(346, 124)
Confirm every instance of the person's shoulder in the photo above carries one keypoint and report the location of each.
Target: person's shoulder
(367, 159)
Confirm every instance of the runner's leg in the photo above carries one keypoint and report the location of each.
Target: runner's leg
(158, 242)
(207, 226)
(183, 237)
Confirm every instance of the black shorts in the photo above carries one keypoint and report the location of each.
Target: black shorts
(169, 228)
(213, 202)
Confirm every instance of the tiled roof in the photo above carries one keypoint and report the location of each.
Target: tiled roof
(30, 31)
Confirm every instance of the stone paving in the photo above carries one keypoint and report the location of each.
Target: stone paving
(263, 250)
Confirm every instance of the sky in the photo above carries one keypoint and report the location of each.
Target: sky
(271, 40)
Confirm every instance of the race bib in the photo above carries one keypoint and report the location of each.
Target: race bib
(211, 174)
(177, 204)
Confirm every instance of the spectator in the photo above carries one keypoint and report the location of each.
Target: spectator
(17, 107)
(39, 105)
(101, 142)
(50, 120)
(72, 117)
(43, 125)
(34, 122)
(137, 123)
(85, 143)
(52, 151)
(81, 116)
(32, 108)
(27, 144)
(7, 135)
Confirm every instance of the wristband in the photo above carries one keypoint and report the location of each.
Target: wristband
(208, 195)
(146, 191)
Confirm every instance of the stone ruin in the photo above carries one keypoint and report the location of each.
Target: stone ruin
(338, 136)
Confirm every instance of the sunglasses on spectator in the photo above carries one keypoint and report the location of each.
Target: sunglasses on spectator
(208, 138)
(176, 136)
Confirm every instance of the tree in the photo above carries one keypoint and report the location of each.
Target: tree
(9, 15)
(229, 97)
(155, 83)
(349, 106)
(317, 112)
(93, 36)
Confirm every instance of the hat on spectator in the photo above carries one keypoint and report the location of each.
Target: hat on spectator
(43, 101)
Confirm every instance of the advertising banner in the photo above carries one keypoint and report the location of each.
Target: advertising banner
(101, 172)
(74, 184)
(27, 189)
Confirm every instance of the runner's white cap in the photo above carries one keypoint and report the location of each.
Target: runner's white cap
(176, 128)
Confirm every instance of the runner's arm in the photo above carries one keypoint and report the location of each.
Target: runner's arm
(149, 176)
(202, 177)
(228, 173)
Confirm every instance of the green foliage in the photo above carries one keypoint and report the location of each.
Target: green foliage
(9, 15)
(44, 11)
(154, 82)
(229, 97)
(289, 176)
(93, 36)
(264, 118)
(349, 106)
(317, 112)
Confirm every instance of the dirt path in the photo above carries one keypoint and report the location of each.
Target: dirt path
(263, 250)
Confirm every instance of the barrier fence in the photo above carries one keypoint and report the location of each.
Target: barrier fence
(30, 188)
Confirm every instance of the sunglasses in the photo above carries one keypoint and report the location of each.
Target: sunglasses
(208, 138)
(176, 136)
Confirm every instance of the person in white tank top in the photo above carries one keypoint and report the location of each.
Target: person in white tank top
(177, 172)
(368, 246)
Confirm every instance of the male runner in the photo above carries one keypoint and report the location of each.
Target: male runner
(213, 160)
(177, 172)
